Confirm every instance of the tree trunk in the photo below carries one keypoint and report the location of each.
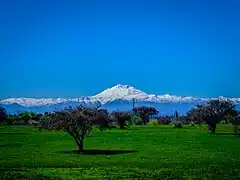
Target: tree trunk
(122, 126)
(79, 141)
(212, 127)
(80, 147)
(146, 120)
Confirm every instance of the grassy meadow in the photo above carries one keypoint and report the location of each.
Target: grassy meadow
(142, 152)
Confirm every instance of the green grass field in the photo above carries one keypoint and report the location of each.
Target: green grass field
(143, 152)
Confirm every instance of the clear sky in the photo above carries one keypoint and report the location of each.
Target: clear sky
(75, 48)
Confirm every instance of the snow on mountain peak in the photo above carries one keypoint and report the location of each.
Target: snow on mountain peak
(117, 92)
(120, 91)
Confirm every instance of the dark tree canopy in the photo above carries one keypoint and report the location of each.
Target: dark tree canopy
(121, 118)
(212, 112)
(144, 112)
(3, 114)
(26, 116)
(194, 115)
(234, 118)
(78, 122)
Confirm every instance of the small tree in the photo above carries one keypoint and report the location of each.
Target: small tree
(135, 120)
(26, 116)
(212, 112)
(121, 118)
(177, 123)
(237, 124)
(234, 118)
(78, 122)
(215, 111)
(3, 114)
(144, 112)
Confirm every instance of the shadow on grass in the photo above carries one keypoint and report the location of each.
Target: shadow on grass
(98, 152)
(24, 175)
(7, 145)
(13, 133)
(227, 134)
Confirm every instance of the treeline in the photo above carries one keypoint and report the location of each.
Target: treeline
(79, 121)
(211, 113)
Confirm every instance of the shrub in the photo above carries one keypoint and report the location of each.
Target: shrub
(10, 119)
(177, 124)
(153, 122)
(236, 124)
(237, 129)
(3, 114)
(192, 124)
(135, 120)
(164, 120)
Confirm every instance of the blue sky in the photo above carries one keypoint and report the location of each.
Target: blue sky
(76, 48)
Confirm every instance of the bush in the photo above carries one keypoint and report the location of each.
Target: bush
(236, 124)
(135, 120)
(177, 124)
(10, 119)
(153, 122)
(164, 120)
(237, 129)
(192, 124)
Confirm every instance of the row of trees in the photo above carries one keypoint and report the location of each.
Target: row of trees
(138, 116)
(211, 113)
(79, 121)
(22, 118)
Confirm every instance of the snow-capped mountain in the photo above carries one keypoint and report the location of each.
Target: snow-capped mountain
(126, 92)
(116, 93)
(28, 102)
(118, 97)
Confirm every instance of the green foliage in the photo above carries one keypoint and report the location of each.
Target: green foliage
(162, 153)
(153, 122)
(10, 119)
(135, 120)
(46, 117)
(26, 116)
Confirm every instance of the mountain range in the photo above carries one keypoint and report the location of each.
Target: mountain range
(119, 97)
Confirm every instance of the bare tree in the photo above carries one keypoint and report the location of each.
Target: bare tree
(144, 112)
(78, 122)
(121, 118)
